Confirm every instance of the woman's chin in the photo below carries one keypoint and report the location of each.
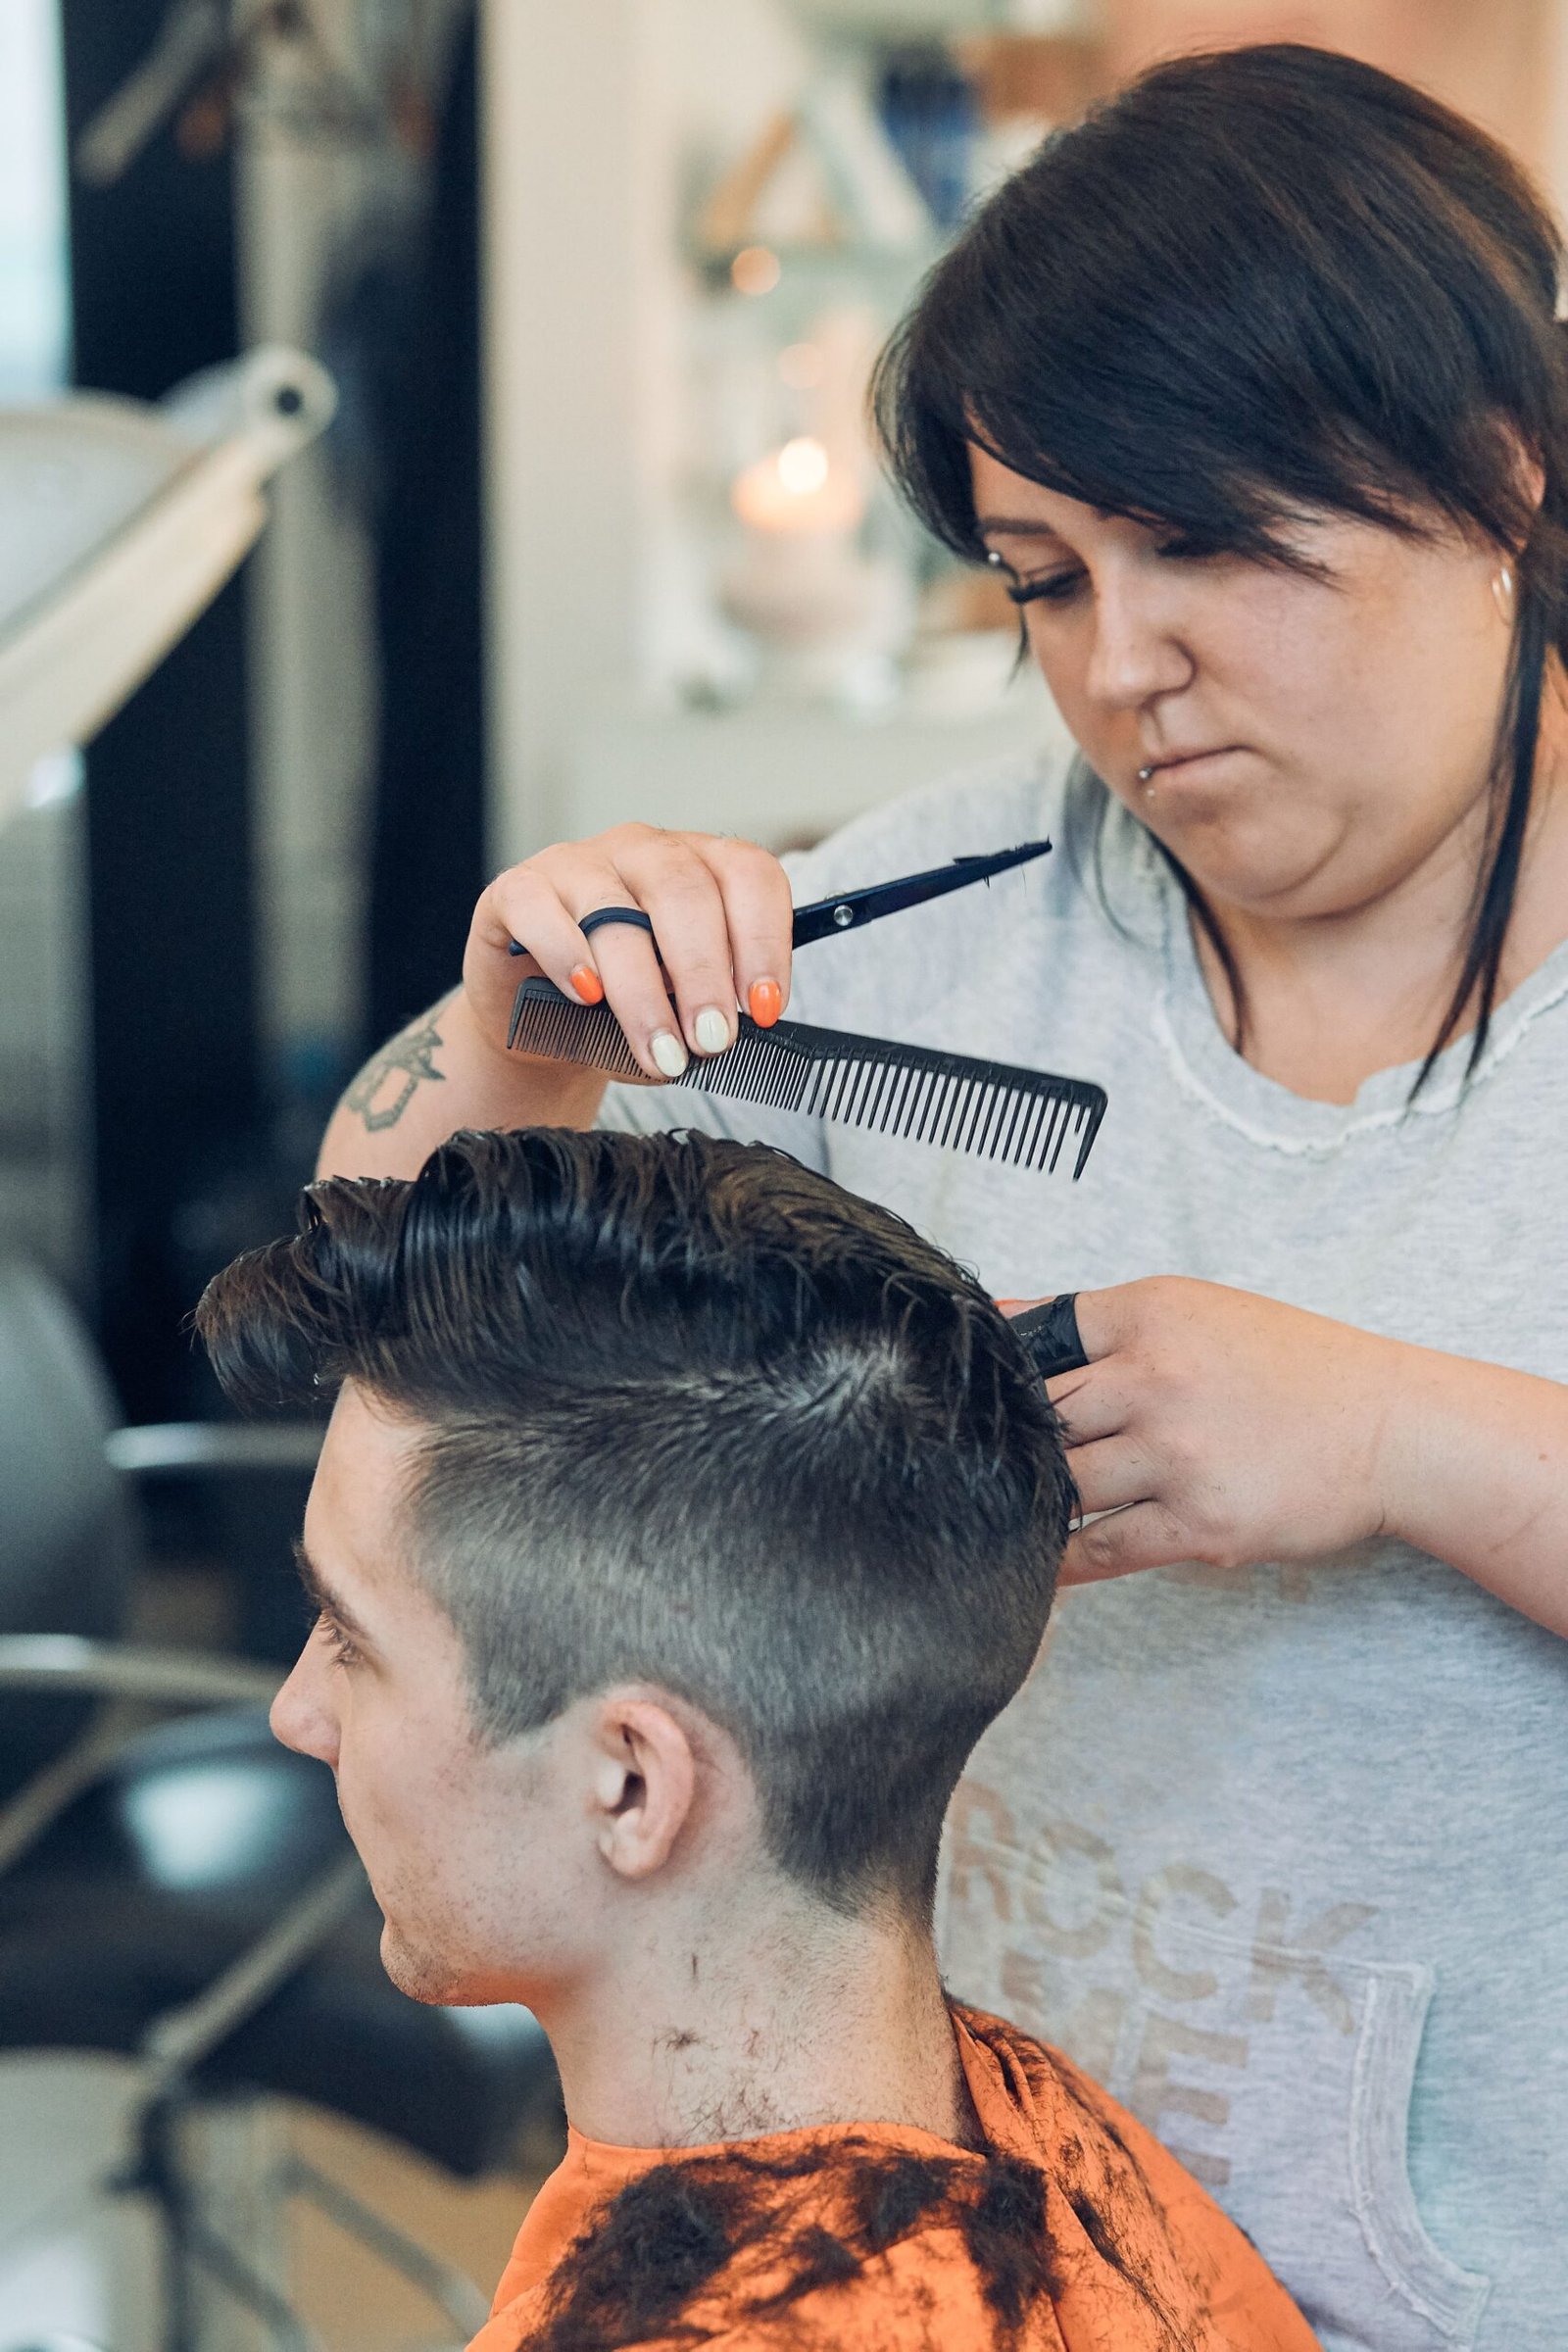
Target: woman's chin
(1245, 866)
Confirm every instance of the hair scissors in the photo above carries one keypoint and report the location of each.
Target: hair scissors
(852, 910)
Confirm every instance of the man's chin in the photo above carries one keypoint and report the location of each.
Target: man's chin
(439, 1981)
(423, 1975)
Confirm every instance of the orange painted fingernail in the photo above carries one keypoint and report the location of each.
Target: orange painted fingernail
(765, 1003)
(586, 981)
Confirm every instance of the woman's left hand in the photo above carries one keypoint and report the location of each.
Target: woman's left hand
(1219, 1427)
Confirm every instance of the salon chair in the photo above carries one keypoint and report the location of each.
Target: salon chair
(182, 1891)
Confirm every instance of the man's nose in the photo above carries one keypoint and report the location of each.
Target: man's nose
(302, 1716)
(1137, 651)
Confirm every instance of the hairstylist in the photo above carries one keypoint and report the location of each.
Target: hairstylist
(1251, 388)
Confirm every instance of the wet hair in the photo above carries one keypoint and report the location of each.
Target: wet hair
(1252, 287)
(767, 2232)
(692, 1415)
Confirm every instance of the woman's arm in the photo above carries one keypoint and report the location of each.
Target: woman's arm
(1476, 1465)
(721, 913)
(1224, 1428)
(440, 1074)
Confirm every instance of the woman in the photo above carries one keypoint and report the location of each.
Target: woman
(1251, 388)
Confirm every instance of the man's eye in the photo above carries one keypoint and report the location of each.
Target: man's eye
(336, 1639)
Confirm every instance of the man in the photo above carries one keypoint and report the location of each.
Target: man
(681, 1524)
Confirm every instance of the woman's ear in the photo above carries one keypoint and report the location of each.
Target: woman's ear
(1529, 474)
(643, 1783)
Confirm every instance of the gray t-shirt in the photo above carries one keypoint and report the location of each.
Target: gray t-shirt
(1281, 1856)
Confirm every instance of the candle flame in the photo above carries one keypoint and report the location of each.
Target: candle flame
(803, 465)
(799, 490)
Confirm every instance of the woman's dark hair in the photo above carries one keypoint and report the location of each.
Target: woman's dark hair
(1257, 283)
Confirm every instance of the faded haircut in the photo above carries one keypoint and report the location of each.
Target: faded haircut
(694, 1416)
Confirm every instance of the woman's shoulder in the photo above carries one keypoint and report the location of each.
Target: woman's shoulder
(991, 808)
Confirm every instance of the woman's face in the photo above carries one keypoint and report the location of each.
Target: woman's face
(1317, 740)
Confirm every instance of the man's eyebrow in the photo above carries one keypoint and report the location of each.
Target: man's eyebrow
(319, 1591)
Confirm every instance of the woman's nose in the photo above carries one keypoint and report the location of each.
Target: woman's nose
(1137, 650)
(302, 1716)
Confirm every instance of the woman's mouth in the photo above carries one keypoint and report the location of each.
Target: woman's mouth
(1170, 763)
(1175, 769)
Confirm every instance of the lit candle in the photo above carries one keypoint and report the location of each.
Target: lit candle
(799, 492)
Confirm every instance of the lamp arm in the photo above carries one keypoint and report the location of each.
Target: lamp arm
(72, 1666)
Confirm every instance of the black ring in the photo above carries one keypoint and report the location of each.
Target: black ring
(634, 915)
(1051, 1336)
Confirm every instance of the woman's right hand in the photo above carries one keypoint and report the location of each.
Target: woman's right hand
(721, 913)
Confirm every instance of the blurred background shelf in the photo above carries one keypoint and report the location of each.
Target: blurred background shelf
(781, 776)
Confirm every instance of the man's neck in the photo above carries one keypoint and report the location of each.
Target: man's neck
(797, 2018)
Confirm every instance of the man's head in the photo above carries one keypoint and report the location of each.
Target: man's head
(678, 1512)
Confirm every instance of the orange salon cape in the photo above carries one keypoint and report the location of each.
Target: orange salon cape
(1073, 2232)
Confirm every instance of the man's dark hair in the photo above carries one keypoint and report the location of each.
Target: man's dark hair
(697, 1417)
(1253, 284)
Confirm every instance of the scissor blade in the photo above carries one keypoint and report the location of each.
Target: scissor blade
(851, 909)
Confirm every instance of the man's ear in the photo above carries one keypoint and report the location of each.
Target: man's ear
(645, 1783)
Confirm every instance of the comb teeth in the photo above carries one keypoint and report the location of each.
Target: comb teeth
(1019, 1118)
(546, 1022)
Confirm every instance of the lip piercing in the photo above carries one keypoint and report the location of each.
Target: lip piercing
(1146, 777)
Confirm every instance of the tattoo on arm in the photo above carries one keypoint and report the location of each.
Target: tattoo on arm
(390, 1079)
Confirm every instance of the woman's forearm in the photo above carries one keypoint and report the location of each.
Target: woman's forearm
(1476, 1471)
(440, 1074)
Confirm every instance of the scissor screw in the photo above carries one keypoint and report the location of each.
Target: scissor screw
(843, 915)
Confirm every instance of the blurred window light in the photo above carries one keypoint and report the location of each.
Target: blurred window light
(1051, 16)
(34, 280)
(206, 1824)
(57, 777)
(755, 269)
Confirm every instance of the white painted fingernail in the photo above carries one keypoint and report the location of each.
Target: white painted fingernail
(669, 1054)
(711, 1030)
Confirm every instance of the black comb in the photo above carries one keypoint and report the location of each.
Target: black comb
(1021, 1118)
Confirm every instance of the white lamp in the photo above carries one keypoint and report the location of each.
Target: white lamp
(120, 522)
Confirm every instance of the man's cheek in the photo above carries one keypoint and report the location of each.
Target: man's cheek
(362, 1799)
(380, 1807)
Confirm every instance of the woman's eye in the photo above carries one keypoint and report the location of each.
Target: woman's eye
(1051, 588)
